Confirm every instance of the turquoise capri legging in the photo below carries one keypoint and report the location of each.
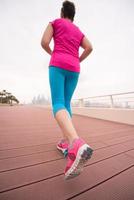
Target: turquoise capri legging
(62, 85)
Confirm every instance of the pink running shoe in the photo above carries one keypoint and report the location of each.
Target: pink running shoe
(77, 156)
(63, 147)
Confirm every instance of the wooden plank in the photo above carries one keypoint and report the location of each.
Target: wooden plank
(26, 150)
(48, 169)
(21, 139)
(122, 139)
(57, 188)
(130, 153)
(120, 187)
(40, 140)
(131, 143)
(23, 151)
(23, 161)
(10, 142)
(31, 174)
(33, 169)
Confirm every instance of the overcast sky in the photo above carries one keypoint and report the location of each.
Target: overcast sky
(109, 25)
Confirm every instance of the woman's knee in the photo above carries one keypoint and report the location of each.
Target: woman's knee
(69, 110)
(57, 107)
(68, 107)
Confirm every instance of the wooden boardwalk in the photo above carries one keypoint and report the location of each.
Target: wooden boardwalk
(31, 168)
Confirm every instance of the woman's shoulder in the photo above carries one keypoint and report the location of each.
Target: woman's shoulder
(56, 20)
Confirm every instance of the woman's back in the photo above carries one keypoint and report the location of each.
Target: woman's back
(67, 38)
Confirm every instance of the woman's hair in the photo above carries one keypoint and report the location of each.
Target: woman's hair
(68, 10)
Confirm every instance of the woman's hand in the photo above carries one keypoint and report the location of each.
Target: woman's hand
(46, 39)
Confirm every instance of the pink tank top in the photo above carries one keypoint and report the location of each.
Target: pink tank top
(67, 39)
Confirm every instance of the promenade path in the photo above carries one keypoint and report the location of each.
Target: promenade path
(31, 168)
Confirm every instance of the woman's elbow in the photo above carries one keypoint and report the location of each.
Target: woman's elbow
(89, 49)
(44, 44)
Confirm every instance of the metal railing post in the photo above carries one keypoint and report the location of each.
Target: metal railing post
(112, 102)
(81, 102)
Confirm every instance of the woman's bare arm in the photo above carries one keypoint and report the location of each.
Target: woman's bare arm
(86, 45)
(46, 39)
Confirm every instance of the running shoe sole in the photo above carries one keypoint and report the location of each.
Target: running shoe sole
(83, 155)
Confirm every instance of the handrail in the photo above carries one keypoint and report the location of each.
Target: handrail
(110, 101)
(115, 94)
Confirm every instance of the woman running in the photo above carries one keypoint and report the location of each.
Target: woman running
(64, 71)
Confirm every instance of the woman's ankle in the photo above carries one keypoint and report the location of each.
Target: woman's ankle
(65, 140)
(71, 140)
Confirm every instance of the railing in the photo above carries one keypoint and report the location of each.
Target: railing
(118, 100)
